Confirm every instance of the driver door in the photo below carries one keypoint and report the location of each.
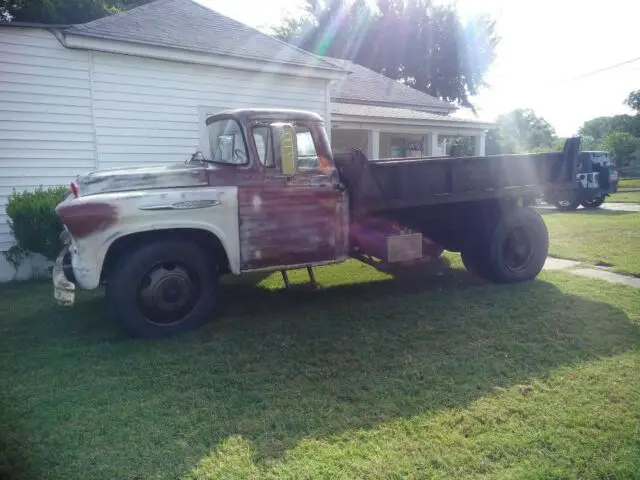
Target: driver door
(291, 220)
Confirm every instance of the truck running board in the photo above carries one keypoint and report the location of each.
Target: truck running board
(312, 284)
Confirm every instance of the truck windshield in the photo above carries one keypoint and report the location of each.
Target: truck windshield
(226, 142)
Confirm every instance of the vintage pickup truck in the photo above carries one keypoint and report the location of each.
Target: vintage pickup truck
(269, 195)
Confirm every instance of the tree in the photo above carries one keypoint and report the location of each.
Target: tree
(424, 45)
(463, 146)
(62, 11)
(588, 143)
(633, 100)
(598, 127)
(493, 142)
(622, 145)
(523, 131)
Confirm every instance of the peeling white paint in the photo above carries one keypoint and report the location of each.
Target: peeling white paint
(256, 203)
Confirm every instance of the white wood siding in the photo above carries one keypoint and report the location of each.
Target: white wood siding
(64, 112)
(46, 128)
(149, 111)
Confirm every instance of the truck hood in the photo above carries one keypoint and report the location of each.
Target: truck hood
(142, 178)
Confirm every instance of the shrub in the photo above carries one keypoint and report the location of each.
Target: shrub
(34, 224)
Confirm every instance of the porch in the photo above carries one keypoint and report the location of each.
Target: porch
(388, 132)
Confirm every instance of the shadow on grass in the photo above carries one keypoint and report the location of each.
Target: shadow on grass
(278, 367)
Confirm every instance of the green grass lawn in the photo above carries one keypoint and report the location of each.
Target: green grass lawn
(624, 197)
(601, 237)
(368, 377)
(629, 183)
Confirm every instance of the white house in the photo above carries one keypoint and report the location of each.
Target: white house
(136, 87)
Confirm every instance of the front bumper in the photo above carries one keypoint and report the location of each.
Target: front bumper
(64, 290)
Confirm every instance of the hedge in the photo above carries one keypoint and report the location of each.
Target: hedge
(34, 224)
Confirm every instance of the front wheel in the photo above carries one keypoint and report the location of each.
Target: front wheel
(163, 288)
(593, 203)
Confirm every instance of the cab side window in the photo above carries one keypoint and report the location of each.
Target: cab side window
(307, 154)
(263, 139)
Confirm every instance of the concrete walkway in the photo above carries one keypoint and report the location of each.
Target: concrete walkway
(579, 268)
(619, 207)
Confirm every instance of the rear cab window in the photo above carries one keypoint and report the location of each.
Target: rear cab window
(307, 154)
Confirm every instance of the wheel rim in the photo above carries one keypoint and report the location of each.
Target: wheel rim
(517, 250)
(167, 293)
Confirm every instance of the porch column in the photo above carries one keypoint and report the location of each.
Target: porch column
(479, 145)
(430, 144)
(373, 144)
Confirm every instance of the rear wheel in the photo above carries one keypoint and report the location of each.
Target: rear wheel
(163, 288)
(512, 248)
(593, 203)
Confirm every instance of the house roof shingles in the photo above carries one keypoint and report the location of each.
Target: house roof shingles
(376, 111)
(186, 25)
(364, 85)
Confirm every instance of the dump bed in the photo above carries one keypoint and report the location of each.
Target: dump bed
(413, 182)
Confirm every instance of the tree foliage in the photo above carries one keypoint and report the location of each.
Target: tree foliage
(493, 142)
(598, 127)
(633, 100)
(622, 145)
(424, 45)
(521, 130)
(62, 12)
(588, 143)
(618, 134)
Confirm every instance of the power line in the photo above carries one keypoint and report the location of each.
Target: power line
(604, 69)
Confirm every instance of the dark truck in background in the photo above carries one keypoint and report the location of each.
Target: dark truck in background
(596, 178)
(269, 195)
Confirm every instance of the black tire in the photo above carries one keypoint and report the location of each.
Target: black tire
(566, 205)
(163, 288)
(511, 248)
(517, 246)
(594, 203)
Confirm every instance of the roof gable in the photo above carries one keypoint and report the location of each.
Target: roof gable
(187, 25)
(366, 86)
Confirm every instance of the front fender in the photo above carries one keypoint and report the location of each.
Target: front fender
(214, 210)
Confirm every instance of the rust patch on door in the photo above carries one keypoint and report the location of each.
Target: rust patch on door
(290, 225)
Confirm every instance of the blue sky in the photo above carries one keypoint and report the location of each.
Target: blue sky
(545, 58)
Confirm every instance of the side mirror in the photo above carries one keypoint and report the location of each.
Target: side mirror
(285, 135)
